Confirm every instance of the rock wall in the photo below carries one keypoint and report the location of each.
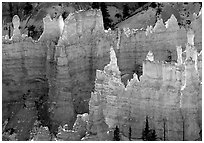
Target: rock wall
(65, 58)
(24, 81)
(83, 36)
(83, 47)
(159, 94)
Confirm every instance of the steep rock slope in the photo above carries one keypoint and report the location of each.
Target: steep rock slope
(67, 67)
(173, 109)
(25, 83)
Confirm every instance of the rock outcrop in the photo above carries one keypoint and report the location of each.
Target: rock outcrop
(173, 108)
(77, 133)
(53, 78)
(24, 81)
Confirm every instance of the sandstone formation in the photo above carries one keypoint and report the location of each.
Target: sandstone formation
(24, 82)
(159, 94)
(16, 24)
(52, 79)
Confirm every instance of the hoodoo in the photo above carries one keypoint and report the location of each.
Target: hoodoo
(79, 81)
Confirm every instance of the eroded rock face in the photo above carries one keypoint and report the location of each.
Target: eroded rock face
(84, 38)
(25, 82)
(158, 95)
(68, 68)
(78, 132)
(16, 24)
(197, 28)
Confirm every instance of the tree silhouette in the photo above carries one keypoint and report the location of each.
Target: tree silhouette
(148, 134)
(95, 5)
(107, 21)
(116, 134)
(28, 8)
(146, 130)
(126, 11)
(152, 136)
(130, 133)
(118, 15)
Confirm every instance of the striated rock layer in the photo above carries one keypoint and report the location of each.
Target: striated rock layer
(55, 75)
(24, 82)
(173, 108)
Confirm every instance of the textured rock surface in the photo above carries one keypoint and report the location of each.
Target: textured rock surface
(16, 24)
(140, 20)
(78, 132)
(158, 95)
(43, 134)
(25, 82)
(84, 38)
(197, 28)
(68, 68)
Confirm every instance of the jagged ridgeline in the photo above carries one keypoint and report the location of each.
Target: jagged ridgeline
(119, 77)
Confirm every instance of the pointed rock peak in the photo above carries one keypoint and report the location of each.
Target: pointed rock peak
(47, 19)
(61, 24)
(112, 67)
(150, 56)
(190, 36)
(16, 24)
(172, 24)
(16, 21)
(159, 26)
(135, 76)
(133, 80)
(113, 58)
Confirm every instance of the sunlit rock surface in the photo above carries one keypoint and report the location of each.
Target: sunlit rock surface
(53, 78)
(158, 95)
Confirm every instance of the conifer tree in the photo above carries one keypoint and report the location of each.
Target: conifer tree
(130, 133)
(153, 136)
(95, 5)
(28, 8)
(116, 134)
(106, 20)
(126, 11)
(146, 130)
(148, 134)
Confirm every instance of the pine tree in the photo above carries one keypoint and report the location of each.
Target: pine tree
(146, 131)
(148, 134)
(116, 134)
(153, 136)
(95, 5)
(126, 11)
(130, 133)
(107, 21)
(28, 8)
